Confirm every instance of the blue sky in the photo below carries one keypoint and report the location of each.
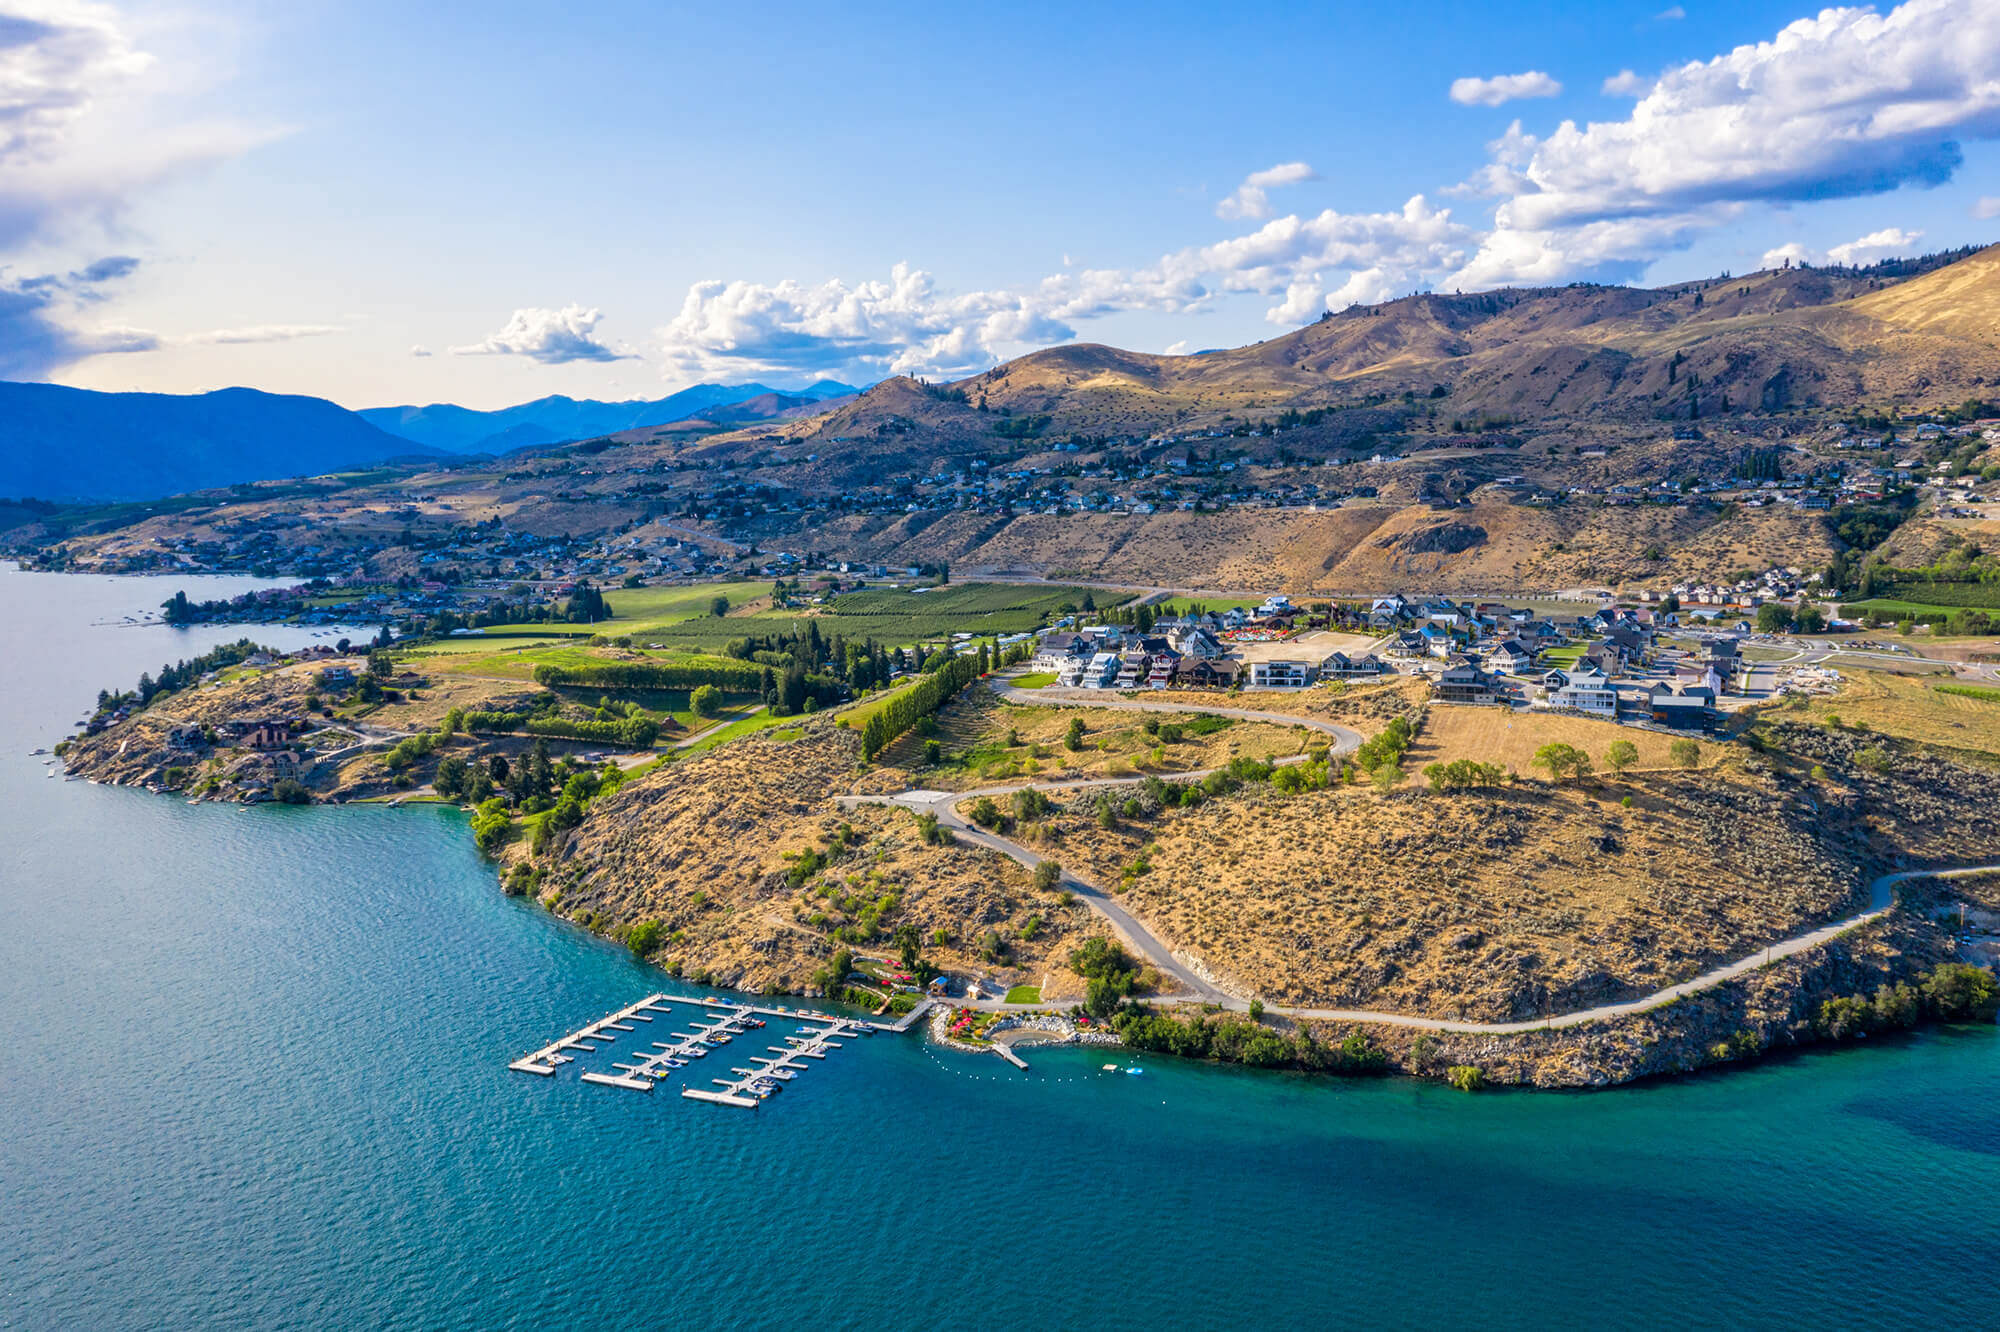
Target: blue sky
(384, 203)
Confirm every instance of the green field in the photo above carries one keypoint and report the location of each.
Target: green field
(1034, 680)
(1893, 607)
(1025, 994)
(1982, 596)
(894, 617)
(1182, 605)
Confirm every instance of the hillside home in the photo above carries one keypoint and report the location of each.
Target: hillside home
(1207, 673)
(1282, 673)
(1688, 708)
(1463, 682)
(1512, 657)
(1340, 666)
(1132, 669)
(1585, 688)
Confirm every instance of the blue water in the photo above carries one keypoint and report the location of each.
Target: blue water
(253, 1074)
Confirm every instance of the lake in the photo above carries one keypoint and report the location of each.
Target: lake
(253, 1073)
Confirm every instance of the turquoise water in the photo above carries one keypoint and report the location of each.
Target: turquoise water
(253, 1074)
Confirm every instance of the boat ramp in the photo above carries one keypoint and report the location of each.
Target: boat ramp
(654, 1061)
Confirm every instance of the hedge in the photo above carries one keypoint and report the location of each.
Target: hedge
(906, 709)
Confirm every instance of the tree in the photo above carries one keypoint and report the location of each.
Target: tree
(1074, 740)
(1047, 875)
(1386, 776)
(1622, 755)
(1809, 620)
(1685, 753)
(1562, 761)
(718, 606)
(705, 701)
(1773, 618)
(1958, 991)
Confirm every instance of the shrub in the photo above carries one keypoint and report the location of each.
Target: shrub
(1563, 761)
(1685, 753)
(705, 701)
(1466, 1077)
(1622, 755)
(644, 937)
(1047, 875)
(289, 791)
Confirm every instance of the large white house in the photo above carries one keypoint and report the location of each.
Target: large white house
(1583, 688)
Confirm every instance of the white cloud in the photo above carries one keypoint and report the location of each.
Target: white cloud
(1671, 14)
(552, 337)
(1883, 244)
(1178, 347)
(1251, 198)
(1987, 207)
(260, 333)
(1887, 243)
(84, 121)
(1626, 84)
(1847, 103)
(420, 350)
(1503, 88)
(1790, 253)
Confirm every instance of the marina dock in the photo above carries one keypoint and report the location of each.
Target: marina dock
(763, 1076)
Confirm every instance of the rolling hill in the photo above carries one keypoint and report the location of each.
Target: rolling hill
(60, 443)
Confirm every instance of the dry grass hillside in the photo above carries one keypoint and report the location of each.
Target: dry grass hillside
(709, 847)
(1495, 906)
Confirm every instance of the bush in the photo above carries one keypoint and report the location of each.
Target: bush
(1466, 1077)
(1622, 755)
(1563, 761)
(289, 791)
(705, 701)
(1685, 753)
(1047, 875)
(644, 937)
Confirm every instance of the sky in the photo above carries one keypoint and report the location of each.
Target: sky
(384, 203)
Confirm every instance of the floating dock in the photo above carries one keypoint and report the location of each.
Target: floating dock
(764, 1076)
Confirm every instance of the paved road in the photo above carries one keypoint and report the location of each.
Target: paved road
(943, 804)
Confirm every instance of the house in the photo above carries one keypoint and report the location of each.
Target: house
(1406, 646)
(1512, 657)
(1276, 604)
(185, 737)
(1584, 688)
(1132, 669)
(1207, 673)
(337, 677)
(1058, 652)
(1340, 666)
(267, 736)
(1283, 673)
(1463, 682)
(1688, 708)
(1195, 641)
(1160, 673)
(1094, 672)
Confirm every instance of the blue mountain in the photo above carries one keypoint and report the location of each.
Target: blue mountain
(552, 420)
(60, 443)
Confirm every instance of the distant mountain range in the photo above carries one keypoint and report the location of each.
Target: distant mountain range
(70, 444)
(555, 419)
(60, 443)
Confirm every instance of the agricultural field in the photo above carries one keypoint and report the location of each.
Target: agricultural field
(894, 617)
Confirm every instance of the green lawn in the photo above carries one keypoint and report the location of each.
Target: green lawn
(1182, 605)
(736, 730)
(894, 617)
(1895, 607)
(1564, 656)
(1034, 680)
(1025, 994)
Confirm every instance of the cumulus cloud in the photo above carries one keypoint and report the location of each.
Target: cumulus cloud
(1847, 103)
(83, 125)
(1876, 245)
(1987, 207)
(1503, 88)
(1626, 84)
(552, 337)
(38, 334)
(1251, 198)
(1671, 14)
(908, 325)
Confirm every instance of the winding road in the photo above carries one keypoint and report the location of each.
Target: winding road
(1197, 988)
